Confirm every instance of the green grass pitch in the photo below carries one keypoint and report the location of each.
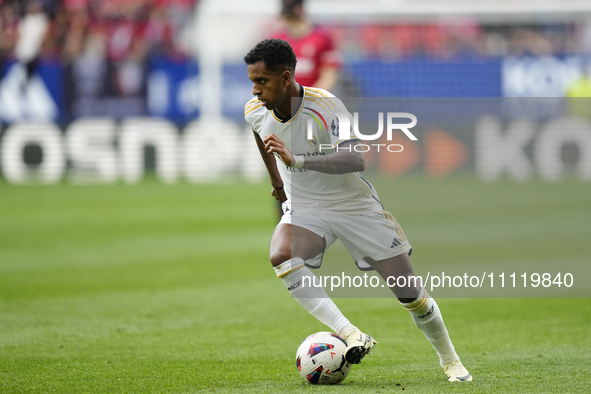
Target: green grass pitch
(154, 288)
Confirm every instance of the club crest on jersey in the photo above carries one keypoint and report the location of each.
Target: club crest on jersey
(334, 127)
(313, 141)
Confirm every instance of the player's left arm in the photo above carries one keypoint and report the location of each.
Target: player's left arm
(343, 161)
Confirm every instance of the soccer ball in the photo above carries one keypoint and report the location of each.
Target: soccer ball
(321, 359)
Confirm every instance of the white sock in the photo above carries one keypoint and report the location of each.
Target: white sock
(313, 299)
(427, 317)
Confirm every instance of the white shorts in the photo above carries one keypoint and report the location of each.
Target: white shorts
(377, 235)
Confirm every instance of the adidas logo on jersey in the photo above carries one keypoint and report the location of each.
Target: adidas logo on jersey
(395, 243)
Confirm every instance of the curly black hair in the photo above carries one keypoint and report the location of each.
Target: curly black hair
(275, 53)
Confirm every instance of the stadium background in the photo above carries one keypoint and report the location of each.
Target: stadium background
(107, 287)
(163, 61)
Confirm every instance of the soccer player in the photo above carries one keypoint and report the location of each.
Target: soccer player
(318, 59)
(326, 198)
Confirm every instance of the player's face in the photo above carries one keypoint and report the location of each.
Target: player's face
(270, 87)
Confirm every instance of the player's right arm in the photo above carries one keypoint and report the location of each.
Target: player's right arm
(342, 161)
(269, 160)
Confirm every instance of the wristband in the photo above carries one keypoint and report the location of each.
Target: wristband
(298, 161)
(277, 188)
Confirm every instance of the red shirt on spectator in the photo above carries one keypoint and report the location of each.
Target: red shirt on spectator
(314, 51)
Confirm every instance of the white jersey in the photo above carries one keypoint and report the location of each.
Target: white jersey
(306, 188)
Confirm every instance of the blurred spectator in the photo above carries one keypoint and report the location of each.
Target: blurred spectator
(124, 26)
(128, 29)
(584, 37)
(464, 36)
(529, 41)
(73, 35)
(134, 30)
(31, 33)
(23, 95)
(318, 60)
(9, 18)
(160, 32)
(104, 46)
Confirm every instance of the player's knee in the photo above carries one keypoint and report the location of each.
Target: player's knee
(279, 256)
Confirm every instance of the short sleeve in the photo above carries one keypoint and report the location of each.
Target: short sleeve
(249, 110)
(334, 125)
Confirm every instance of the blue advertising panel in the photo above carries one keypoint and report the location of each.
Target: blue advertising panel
(170, 88)
(422, 77)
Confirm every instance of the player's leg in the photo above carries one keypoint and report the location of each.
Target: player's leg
(395, 267)
(358, 343)
(305, 244)
(424, 312)
(378, 239)
(290, 247)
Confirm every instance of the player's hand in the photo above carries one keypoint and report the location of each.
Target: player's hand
(279, 195)
(274, 145)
